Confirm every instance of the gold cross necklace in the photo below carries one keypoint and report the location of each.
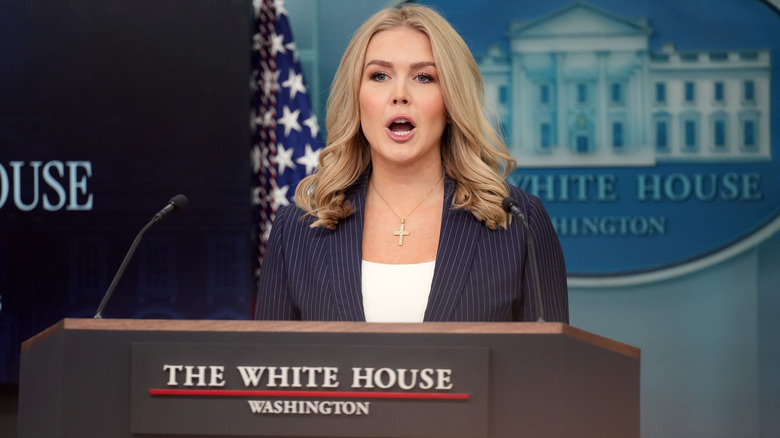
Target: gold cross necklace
(401, 233)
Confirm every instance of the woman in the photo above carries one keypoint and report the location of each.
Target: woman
(403, 221)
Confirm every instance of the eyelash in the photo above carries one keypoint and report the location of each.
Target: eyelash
(426, 77)
(375, 76)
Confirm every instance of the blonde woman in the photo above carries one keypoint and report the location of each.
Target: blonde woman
(403, 220)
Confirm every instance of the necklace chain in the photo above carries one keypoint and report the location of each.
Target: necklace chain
(402, 232)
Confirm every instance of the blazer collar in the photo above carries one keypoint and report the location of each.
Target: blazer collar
(458, 238)
(460, 233)
(346, 255)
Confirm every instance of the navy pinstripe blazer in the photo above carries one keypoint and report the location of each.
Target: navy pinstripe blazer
(480, 274)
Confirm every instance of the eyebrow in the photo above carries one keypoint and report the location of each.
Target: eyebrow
(414, 65)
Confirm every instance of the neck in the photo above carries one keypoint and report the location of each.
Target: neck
(404, 194)
(406, 180)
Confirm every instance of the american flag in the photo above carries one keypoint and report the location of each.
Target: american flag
(285, 145)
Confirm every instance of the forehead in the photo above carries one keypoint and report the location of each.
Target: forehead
(399, 43)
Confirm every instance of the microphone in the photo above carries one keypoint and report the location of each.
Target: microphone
(177, 203)
(510, 205)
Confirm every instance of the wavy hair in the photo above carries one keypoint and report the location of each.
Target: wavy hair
(473, 154)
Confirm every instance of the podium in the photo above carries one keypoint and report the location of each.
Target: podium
(159, 378)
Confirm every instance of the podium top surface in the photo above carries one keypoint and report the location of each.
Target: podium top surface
(472, 328)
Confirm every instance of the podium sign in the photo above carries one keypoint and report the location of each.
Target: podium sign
(300, 390)
(91, 378)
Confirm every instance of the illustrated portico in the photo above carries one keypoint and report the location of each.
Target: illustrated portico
(580, 87)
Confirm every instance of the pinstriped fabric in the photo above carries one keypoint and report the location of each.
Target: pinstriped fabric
(480, 274)
(346, 253)
(552, 271)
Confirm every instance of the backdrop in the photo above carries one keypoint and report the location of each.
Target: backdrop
(111, 108)
(688, 277)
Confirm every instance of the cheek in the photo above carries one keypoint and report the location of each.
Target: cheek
(433, 100)
(370, 119)
(367, 108)
(437, 110)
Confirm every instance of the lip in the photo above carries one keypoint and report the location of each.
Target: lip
(397, 136)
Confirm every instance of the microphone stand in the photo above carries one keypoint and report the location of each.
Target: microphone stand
(531, 250)
(510, 205)
(122, 268)
(178, 202)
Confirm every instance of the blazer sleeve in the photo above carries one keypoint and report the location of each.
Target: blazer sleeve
(274, 300)
(552, 268)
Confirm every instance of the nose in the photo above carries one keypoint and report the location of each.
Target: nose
(400, 96)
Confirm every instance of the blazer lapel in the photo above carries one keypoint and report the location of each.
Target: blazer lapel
(458, 239)
(460, 233)
(346, 253)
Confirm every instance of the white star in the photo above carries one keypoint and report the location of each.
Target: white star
(277, 44)
(295, 84)
(291, 47)
(256, 196)
(257, 41)
(257, 158)
(279, 197)
(270, 81)
(264, 120)
(310, 159)
(284, 158)
(267, 119)
(267, 233)
(254, 121)
(279, 6)
(313, 126)
(289, 120)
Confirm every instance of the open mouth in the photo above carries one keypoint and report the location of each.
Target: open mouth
(401, 127)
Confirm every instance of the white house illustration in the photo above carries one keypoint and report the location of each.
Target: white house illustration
(581, 87)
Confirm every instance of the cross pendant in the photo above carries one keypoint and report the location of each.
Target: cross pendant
(401, 234)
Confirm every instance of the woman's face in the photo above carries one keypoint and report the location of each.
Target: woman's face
(402, 110)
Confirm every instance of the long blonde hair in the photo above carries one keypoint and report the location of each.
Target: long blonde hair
(473, 154)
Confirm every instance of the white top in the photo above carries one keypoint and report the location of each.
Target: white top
(396, 293)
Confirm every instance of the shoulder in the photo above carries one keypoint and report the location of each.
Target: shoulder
(288, 213)
(521, 195)
(529, 203)
(290, 219)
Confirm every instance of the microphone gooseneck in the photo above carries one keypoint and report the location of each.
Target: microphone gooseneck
(177, 203)
(510, 205)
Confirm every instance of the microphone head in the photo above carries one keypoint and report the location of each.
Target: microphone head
(508, 203)
(179, 202)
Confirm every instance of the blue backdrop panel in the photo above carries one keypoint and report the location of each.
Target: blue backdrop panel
(108, 109)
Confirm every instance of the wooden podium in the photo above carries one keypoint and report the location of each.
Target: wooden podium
(161, 378)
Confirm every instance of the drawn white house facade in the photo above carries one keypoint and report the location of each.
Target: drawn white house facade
(581, 87)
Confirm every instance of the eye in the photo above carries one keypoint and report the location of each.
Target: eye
(424, 78)
(378, 76)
